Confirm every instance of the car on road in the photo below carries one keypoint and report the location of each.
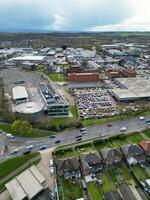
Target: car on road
(109, 125)
(148, 121)
(51, 162)
(52, 170)
(79, 135)
(1, 131)
(123, 129)
(52, 136)
(141, 118)
(79, 139)
(30, 147)
(82, 129)
(57, 141)
(10, 136)
(42, 147)
(14, 151)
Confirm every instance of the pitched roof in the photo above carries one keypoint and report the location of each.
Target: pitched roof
(145, 145)
(131, 149)
(109, 153)
(112, 195)
(68, 164)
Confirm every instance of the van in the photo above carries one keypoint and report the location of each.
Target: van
(51, 162)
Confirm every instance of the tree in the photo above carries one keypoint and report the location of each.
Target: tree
(21, 127)
(64, 47)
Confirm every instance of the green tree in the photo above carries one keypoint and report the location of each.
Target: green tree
(21, 127)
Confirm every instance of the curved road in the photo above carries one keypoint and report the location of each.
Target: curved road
(69, 136)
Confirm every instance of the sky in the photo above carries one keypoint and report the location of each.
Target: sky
(75, 15)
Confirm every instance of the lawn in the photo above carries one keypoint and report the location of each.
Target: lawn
(71, 190)
(57, 77)
(113, 174)
(64, 153)
(12, 164)
(134, 138)
(137, 170)
(34, 132)
(124, 172)
(106, 182)
(84, 148)
(147, 133)
(94, 191)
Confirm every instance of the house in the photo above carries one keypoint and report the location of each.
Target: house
(145, 145)
(90, 163)
(133, 150)
(111, 156)
(68, 167)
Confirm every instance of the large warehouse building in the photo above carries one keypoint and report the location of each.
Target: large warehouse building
(19, 94)
(26, 185)
(131, 89)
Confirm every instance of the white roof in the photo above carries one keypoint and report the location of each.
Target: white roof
(29, 107)
(148, 181)
(15, 190)
(19, 92)
(29, 58)
(37, 174)
(29, 183)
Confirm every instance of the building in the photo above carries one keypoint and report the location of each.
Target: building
(111, 156)
(28, 65)
(145, 145)
(72, 69)
(68, 167)
(55, 104)
(19, 94)
(90, 163)
(26, 185)
(83, 77)
(126, 72)
(133, 150)
(29, 58)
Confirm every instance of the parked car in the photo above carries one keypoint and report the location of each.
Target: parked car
(10, 136)
(122, 129)
(42, 147)
(51, 170)
(57, 141)
(51, 162)
(30, 147)
(14, 151)
(52, 136)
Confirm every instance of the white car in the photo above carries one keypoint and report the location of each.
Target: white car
(30, 147)
(52, 170)
(141, 118)
(51, 163)
(10, 136)
(14, 151)
(123, 129)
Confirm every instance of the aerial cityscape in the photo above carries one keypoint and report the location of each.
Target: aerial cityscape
(74, 100)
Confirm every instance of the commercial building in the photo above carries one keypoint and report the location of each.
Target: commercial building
(131, 89)
(72, 69)
(30, 58)
(126, 72)
(55, 104)
(19, 94)
(83, 77)
(26, 185)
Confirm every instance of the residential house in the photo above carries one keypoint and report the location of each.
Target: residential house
(133, 150)
(145, 145)
(68, 167)
(90, 163)
(111, 156)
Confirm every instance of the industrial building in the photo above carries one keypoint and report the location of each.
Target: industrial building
(26, 185)
(29, 58)
(55, 104)
(83, 77)
(19, 94)
(131, 89)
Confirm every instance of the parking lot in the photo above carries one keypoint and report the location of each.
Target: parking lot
(94, 103)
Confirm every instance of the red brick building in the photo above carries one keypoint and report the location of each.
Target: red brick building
(128, 72)
(83, 77)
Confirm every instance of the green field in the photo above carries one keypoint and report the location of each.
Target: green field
(34, 133)
(94, 191)
(12, 164)
(57, 77)
(71, 190)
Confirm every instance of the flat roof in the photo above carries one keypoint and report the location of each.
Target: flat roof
(37, 174)
(15, 190)
(29, 57)
(29, 107)
(29, 183)
(19, 92)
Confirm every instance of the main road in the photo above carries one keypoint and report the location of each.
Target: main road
(69, 136)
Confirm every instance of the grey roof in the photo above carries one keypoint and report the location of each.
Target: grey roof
(131, 150)
(109, 153)
(68, 164)
(126, 192)
(112, 195)
(29, 107)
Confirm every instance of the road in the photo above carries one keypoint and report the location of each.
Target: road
(69, 136)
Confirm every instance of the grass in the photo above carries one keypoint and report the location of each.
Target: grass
(147, 133)
(64, 153)
(12, 164)
(134, 138)
(94, 191)
(137, 170)
(57, 77)
(113, 174)
(71, 190)
(84, 148)
(106, 183)
(34, 133)
(124, 172)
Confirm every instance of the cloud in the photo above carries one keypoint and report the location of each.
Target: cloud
(74, 15)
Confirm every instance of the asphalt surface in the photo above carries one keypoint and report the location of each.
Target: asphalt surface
(69, 136)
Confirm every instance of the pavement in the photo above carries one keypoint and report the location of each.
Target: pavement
(69, 136)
